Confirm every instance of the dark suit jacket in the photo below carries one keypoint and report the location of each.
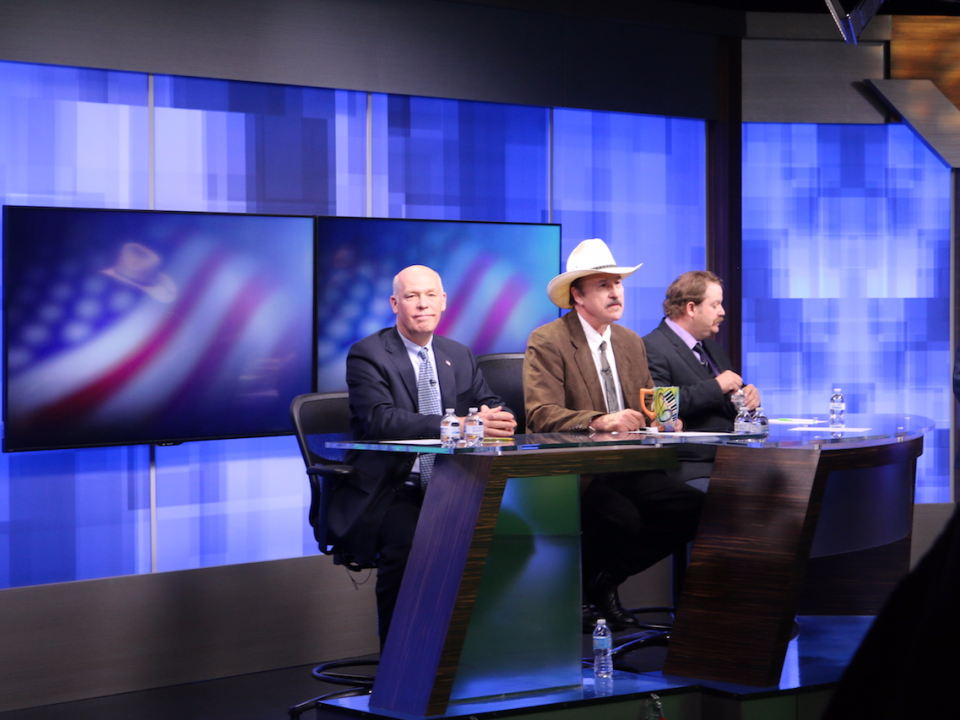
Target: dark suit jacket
(561, 388)
(702, 405)
(384, 406)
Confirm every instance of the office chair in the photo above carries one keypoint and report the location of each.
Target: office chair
(318, 418)
(504, 374)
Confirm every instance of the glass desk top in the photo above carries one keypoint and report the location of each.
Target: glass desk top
(798, 431)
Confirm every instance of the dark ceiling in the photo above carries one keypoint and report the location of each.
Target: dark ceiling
(890, 7)
(625, 9)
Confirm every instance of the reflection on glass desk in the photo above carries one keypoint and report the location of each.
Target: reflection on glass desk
(795, 431)
(859, 430)
(545, 441)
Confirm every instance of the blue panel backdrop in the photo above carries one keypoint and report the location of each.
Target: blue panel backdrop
(251, 147)
(73, 137)
(457, 160)
(846, 252)
(637, 182)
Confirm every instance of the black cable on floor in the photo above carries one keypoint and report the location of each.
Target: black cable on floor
(321, 672)
(360, 684)
(298, 710)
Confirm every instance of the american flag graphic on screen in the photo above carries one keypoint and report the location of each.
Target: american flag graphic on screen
(196, 326)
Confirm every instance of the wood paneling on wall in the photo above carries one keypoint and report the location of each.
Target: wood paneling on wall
(927, 48)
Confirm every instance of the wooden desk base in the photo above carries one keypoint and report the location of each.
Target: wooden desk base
(750, 556)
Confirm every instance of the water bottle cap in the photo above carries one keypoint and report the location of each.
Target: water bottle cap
(448, 411)
(473, 410)
(836, 390)
(601, 621)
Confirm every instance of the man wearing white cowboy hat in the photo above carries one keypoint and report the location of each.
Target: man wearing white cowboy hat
(583, 372)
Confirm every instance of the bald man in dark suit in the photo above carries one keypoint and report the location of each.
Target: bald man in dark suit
(375, 513)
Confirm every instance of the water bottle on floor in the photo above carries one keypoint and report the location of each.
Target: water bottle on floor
(602, 650)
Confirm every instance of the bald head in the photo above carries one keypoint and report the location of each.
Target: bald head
(418, 301)
(415, 274)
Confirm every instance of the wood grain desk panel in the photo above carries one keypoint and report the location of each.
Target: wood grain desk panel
(751, 553)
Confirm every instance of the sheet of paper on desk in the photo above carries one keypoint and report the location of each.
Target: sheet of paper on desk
(795, 421)
(420, 441)
(830, 429)
(683, 433)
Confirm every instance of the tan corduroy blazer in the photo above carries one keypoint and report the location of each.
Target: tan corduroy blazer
(561, 388)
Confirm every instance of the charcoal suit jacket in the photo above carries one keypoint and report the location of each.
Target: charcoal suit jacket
(702, 405)
(384, 406)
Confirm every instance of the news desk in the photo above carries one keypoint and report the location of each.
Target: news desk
(490, 600)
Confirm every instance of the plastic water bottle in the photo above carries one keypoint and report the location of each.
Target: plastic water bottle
(761, 424)
(602, 650)
(838, 408)
(473, 429)
(743, 423)
(449, 429)
(738, 399)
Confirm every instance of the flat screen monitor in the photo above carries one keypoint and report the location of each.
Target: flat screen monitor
(126, 327)
(495, 276)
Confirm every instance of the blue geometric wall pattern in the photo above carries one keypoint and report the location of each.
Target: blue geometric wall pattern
(72, 137)
(77, 138)
(846, 265)
(846, 259)
(637, 182)
(258, 148)
(456, 160)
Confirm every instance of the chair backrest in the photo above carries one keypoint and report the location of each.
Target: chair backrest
(504, 374)
(316, 415)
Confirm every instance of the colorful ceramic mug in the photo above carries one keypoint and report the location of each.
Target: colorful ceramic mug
(666, 405)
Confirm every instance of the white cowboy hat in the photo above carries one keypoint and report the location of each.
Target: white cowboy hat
(139, 266)
(588, 258)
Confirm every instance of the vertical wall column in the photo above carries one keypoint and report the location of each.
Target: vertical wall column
(724, 193)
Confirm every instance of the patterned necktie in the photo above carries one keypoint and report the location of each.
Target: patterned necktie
(704, 358)
(609, 384)
(428, 398)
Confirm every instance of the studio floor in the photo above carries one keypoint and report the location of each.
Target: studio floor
(815, 661)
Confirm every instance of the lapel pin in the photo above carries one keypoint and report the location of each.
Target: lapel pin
(447, 362)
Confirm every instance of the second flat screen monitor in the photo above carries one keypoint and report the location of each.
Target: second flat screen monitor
(495, 276)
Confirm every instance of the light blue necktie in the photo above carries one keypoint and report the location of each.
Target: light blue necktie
(428, 398)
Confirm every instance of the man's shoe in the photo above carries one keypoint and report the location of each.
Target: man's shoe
(589, 619)
(605, 600)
